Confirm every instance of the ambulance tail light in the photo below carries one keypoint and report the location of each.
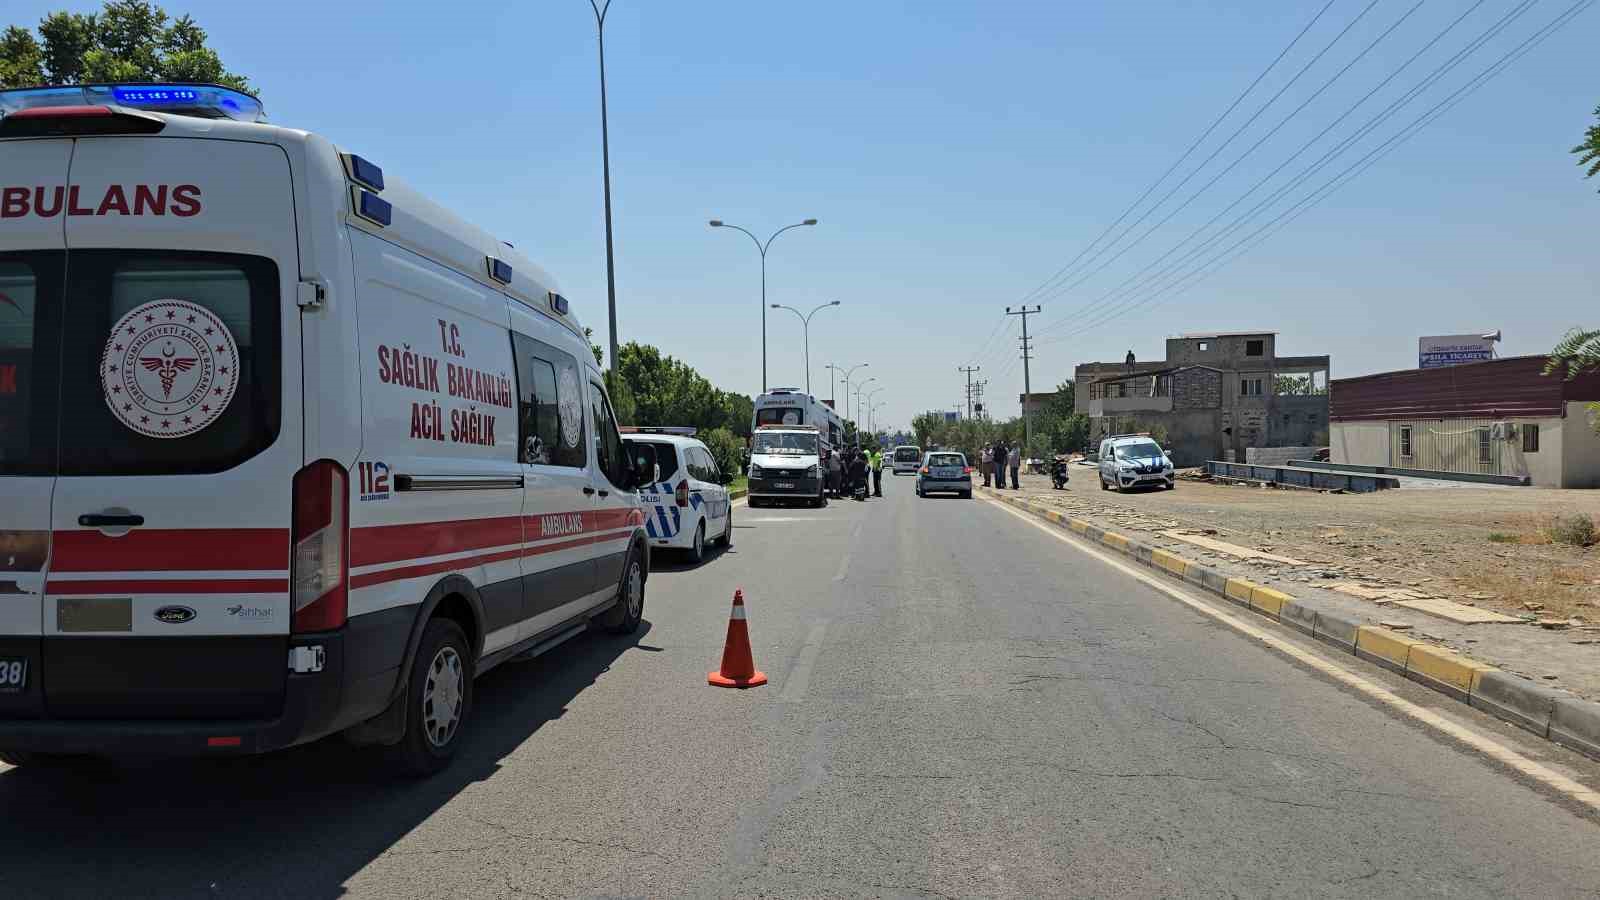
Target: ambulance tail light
(682, 493)
(319, 569)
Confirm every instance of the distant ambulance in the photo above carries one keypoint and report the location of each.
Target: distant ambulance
(286, 448)
(792, 406)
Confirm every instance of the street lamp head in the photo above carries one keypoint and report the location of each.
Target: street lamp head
(716, 223)
(775, 305)
(834, 303)
(809, 222)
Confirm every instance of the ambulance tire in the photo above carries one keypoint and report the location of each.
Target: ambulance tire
(697, 550)
(443, 664)
(624, 618)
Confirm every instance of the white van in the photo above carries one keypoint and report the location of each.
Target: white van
(907, 459)
(786, 464)
(285, 449)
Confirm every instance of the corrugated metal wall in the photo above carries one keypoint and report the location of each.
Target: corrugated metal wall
(1448, 445)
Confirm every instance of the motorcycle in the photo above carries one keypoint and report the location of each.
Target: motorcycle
(1058, 474)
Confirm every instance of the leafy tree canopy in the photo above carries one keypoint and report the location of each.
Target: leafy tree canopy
(128, 40)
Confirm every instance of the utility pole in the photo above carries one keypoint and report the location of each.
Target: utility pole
(969, 370)
(1027, 384)
(977, 393)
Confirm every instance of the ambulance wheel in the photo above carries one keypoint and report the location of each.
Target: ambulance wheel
(697, 550)
(439, 699)
(625, 616)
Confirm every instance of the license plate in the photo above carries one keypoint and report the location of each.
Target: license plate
(13, 674)
(783, 485)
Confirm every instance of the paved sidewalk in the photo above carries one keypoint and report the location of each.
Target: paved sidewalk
(1385, 541)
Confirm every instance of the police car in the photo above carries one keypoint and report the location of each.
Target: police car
(1134, 460)
(686, 500)
(286, 448)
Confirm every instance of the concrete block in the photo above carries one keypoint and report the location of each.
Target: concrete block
(1297, 615)
(1336, 630)
(1142, 552)
(1575, 723)
(1078, 525)
(1195, 574)
(1518, 700)
(1238, 590)
(1170, 562)
(1384, 647)
(1112, 539)
(1268, 601)
(1054, 516)
(1213, 581)
(1093, 532)
(1444, 670)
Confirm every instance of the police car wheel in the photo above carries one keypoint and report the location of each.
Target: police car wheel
(439, 700)
(727, 531)
(697, 550)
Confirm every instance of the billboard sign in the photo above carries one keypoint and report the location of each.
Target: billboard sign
(951, 416)
(1454, 349)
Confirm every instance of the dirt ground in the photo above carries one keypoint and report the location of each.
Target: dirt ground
(1483, 546)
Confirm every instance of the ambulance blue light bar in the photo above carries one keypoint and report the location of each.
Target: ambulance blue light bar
(363, 171)
(559, 303)
(499, 270)
(206, 101)
(371, 207)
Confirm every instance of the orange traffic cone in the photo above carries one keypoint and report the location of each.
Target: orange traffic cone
(738, 666)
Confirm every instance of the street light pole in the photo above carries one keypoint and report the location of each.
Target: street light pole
(805, 325)
(859, 388)
(718, 223)
(605, 166)
(870, 394)
(847, 373)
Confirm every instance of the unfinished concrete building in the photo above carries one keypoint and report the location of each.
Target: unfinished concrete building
(1214, 396)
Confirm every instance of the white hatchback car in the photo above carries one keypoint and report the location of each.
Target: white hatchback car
(686, 501)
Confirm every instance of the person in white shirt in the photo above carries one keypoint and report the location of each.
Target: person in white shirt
(1016, 464)
(987, 464)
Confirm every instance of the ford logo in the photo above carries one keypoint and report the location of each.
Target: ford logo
(175, 615)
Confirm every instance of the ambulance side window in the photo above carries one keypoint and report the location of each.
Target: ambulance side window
(30, 293)
(549, 406)
(607, 441)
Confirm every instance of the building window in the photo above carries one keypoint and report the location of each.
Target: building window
(1530, 438)
(1250, 387)
(1485, 448)
(1204, 346)
(1255, 348)
(1405, 442)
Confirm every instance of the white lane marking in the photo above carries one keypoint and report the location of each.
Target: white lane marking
(844, 563)
(800, 677)
(1477, 741)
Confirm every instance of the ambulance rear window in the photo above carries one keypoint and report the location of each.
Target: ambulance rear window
(30, 286)
(174, 362)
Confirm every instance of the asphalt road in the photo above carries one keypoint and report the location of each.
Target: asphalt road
(960, 705)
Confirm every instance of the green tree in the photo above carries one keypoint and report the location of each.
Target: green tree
(128, 40)
(727, 450)
(1578, 354)
(1589, 151)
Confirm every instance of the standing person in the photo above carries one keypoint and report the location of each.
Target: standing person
(858, 474)
(1000, 464)
(877, 472)
(835, 472)
(985, 463)
(1016, 463)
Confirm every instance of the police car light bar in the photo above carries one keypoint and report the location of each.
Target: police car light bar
(684, 430)
(207, 101)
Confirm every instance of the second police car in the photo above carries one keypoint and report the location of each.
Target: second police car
(686, 500)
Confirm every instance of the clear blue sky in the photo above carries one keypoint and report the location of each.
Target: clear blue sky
(957, 154)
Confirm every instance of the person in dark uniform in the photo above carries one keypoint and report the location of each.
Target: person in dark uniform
(858, 472)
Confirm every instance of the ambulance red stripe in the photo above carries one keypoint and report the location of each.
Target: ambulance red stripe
(171, 550)
(401, 573)
(169, 586)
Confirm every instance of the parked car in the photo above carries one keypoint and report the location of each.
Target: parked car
(945, 472)
(686, 500)
(1134, 460)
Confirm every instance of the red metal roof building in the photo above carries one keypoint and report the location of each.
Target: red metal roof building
(1502, 416)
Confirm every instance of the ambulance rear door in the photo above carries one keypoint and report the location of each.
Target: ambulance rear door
(180, 434)
(32, 261)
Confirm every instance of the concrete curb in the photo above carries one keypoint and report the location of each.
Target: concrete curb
(737, 494)
(1554, 715)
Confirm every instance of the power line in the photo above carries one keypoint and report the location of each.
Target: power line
(1179, 161)
(1353, 171)
(1215, 153)
(1128, 286)
(1243, 156)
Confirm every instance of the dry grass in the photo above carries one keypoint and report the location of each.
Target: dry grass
(1564, 591)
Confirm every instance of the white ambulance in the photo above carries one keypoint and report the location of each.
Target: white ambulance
(285, 449)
